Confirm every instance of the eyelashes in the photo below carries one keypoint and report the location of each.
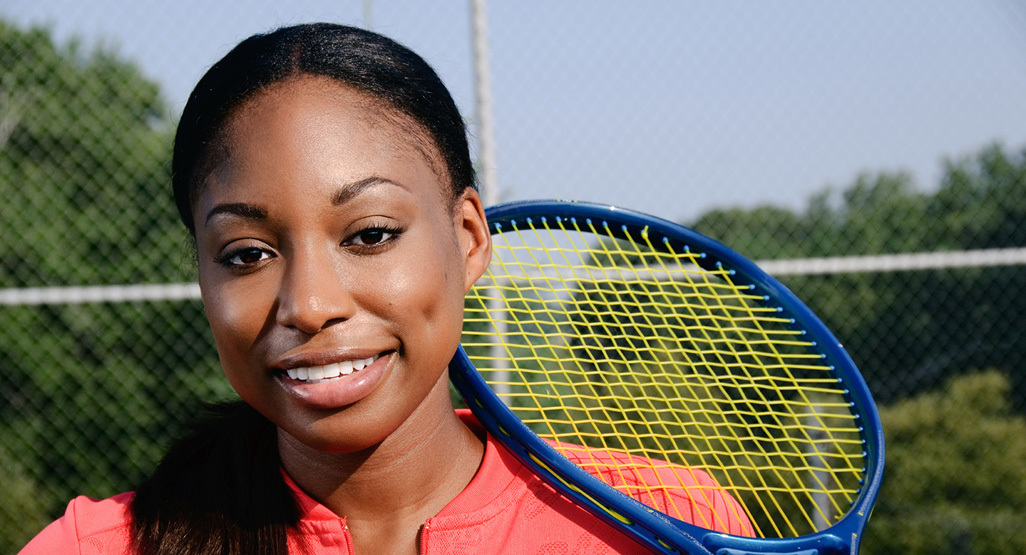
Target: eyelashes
(373, 236)
(245, 257)
(369, 240)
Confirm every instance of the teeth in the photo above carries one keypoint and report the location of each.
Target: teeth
(314, 373)
(330, 371)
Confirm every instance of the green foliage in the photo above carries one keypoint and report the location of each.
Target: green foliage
(906, 331)
(955, 479)
(783, 232)
(978, 204)
(83, 169)
(90, 392)
(22, 498)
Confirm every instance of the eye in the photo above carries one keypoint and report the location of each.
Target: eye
(372, 236)
(244, 257)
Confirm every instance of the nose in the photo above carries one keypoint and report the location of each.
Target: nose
(313, 294)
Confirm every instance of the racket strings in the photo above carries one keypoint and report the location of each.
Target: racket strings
(628, 347)
(710, 387)
(717, 388)
(645, 308)
(752, 319)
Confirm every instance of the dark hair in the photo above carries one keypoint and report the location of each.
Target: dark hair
(220, 488)
(368, 62)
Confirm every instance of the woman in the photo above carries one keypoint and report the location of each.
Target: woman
(324, 174)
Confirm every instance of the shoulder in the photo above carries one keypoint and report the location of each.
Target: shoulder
(685, 493)
(89, 526)
(508, 509)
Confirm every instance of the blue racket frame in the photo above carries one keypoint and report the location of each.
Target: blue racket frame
(662, 533)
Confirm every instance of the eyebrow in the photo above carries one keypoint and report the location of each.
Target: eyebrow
(246, 211)
(345, 194)
(354, 189)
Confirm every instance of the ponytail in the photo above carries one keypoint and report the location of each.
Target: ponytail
(218, 490)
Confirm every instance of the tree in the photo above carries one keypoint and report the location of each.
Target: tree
(907, 331)
(91, 392)
(951, 486)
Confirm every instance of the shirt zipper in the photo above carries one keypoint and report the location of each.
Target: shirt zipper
(348, 537)
(423, 537)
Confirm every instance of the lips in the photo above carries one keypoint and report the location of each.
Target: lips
(335, 384)
(333, 371)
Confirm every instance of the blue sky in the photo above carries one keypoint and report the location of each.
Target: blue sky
(664, 106)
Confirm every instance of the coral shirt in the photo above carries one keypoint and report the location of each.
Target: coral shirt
(504, 509)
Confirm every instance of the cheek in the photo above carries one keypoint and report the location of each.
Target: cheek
(430, 294)
(235, 321)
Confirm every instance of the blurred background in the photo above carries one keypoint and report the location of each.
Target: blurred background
(890, 134)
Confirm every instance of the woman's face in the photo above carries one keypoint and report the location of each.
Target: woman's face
(332, 267)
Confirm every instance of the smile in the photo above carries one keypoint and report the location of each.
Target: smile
(329, 372)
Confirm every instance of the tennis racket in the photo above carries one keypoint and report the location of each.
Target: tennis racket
(667, 384)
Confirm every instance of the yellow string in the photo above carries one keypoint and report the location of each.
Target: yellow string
(624, 346)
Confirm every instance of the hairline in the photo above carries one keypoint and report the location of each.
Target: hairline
(406, 130)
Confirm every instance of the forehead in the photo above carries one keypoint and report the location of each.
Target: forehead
(314, 113)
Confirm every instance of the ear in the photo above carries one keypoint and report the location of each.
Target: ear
(474, 238)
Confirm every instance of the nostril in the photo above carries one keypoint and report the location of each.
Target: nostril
(315, 314)
(313, 295)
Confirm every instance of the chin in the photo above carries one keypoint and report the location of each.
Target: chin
(340, 433)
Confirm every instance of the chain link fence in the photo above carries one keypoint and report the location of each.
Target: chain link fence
(105, 352)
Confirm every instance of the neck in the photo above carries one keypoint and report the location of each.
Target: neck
(389, 490)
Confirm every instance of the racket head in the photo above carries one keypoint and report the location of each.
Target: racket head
(577, 264)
